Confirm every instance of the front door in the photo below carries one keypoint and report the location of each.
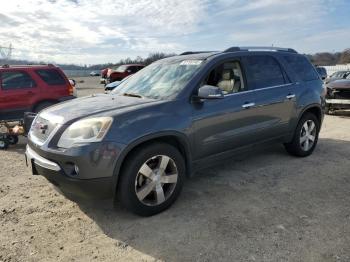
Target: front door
(18, 90)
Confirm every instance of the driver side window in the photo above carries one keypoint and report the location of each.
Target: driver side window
(227, 76)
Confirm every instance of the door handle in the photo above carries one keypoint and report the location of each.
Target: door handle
(30, 93)
(290, 96)
(248, 105)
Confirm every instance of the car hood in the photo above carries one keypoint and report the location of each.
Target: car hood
(340, 84)
(91, 105)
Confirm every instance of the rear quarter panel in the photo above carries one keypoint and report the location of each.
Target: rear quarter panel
(308, 93)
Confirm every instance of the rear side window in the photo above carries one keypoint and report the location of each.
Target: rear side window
(51, 76)
(16, 80)
(302, 67)
(263, 71)
(133, 69)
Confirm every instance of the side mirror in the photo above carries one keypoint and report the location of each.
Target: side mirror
(128, 71)
(210, 92)
(72, 82)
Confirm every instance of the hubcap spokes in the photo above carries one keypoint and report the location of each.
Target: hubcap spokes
(156, 180)
(307, 135)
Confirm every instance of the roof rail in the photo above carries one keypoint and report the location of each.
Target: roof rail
(196, 52)
(28, 65)
(259, 48)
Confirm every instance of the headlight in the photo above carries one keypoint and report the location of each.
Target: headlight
(85, 131)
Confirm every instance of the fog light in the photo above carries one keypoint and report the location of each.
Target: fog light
(76, 169)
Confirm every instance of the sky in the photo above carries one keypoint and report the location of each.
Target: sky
(93, 32)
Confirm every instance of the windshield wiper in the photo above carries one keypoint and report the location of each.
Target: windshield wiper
(132, 95)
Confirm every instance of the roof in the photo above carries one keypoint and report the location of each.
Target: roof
(189, 56)
(132, 65)
(27, 66)
(202, 55)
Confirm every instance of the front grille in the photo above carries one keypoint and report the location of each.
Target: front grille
(342, 95)
(338, 94)
(41, 129)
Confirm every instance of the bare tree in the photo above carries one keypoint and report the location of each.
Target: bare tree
(345, 57)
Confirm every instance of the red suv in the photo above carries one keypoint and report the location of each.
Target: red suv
(122, 71)
(31, 88)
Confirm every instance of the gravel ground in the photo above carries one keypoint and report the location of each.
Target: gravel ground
(263, 206)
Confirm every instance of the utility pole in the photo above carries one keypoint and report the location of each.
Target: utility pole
(6, 52)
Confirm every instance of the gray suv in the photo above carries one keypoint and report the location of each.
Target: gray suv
(177, 115)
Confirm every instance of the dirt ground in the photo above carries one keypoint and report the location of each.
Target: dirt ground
(263, 206)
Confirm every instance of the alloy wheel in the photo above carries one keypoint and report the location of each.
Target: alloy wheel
(156, 180)
(308, 135)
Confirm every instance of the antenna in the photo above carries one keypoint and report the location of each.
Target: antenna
(6, 52)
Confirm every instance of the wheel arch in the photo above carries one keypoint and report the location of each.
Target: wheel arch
(314, 109)
(174, 138)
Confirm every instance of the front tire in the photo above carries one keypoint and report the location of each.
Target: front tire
(305, 137)
(151, 179)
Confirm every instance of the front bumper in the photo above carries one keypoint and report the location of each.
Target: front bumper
(85, 172)
(338, 101)
(340, 104)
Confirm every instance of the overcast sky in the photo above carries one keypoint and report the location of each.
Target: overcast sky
(86, 31)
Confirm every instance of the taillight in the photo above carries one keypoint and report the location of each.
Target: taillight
(70, 90)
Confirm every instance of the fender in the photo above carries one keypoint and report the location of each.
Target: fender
(297, 119)
(314, 105)
(181, 138)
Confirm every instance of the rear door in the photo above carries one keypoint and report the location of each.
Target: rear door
(55, 84)
(272, 98)
(19, 93)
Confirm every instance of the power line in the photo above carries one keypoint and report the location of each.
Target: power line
(6, 54)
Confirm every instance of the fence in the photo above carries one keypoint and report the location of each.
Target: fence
(77, 73)
(332, 69)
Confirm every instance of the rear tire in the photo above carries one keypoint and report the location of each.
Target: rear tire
(151, 179)
(305, 137)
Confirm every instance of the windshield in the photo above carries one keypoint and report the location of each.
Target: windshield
(338, 74)
(160, 80)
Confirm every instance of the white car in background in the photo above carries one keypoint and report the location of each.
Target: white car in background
(93, 73)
